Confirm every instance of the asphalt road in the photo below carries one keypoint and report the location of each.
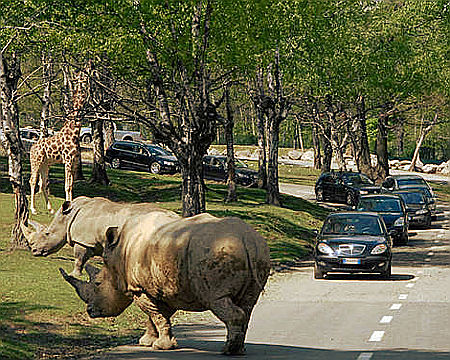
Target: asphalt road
(344, 317)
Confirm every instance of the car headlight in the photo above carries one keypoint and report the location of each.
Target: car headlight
(399, 222)
(363, 192)
(379, 249)
(421, 212)
(168, 163)
(325, 249)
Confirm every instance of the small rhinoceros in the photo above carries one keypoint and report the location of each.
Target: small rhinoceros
(193, 264)
(82, 223)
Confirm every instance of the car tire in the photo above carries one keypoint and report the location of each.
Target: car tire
(86, 139)
(115, 163)
(428, 225)
(350, 199)
(155, 167)
(318, 274)
(319, 195)
(386, 275)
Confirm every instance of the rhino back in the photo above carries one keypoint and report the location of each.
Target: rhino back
(96, 215)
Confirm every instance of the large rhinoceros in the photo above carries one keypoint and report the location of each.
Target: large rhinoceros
(194, 264)
(82, 223)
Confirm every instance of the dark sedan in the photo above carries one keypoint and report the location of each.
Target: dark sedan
(419, 212)
(215, 168)
(393, 211)
(353, 242)
(345, 187)
(140, 156)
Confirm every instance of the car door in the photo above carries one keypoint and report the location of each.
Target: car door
(125, 153)
(339, 189)
(328, 187)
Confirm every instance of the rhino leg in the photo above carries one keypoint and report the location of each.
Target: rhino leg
(159, 331)
(82, 255)
(166, 340)
(236, 321)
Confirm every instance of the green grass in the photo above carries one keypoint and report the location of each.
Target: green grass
(40, 314)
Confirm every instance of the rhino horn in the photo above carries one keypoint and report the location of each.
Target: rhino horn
(27, 232)
(83, 288)
(92, 271)
(37, 226)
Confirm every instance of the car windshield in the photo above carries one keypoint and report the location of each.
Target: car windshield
(352, 224)
(423, 190)
(380, 205)
(156, 150)
(413, 197)
(357, 179)
(410, 181)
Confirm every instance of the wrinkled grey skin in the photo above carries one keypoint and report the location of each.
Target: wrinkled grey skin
(166, 264)
(82, 223)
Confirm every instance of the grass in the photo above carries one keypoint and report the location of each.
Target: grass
(40, 314)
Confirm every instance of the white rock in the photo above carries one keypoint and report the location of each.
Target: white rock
(308, 155)
(295, 155)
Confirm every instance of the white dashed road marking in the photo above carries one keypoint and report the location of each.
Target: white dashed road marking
(377, 336)
(410, 285)
(403, 296)
(395, 307)
(365, 356)
(430, 253)
(386, 319)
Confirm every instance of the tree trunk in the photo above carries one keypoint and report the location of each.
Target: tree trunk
(193, 185)
(10, 74)
(360, 141)
(316, 147)
(109, 133)
(273, 191)
(47, 82)
(327, 149)
(231, 173)
(99, 175)
(261, 126)
(423, 133)
(382, 148)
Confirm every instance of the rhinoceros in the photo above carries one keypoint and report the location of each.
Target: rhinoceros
(193, 264)
(82, 223)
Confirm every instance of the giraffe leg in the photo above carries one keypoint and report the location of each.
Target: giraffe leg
(45, 188)
(68, 181)
(33, 180)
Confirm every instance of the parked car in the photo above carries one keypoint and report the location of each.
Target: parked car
(140, 156)
(393, 211)
(344, 187)
(419, 213)
(215, 168)
(429, 197)
(86, 135)
(397, 182)
(353, 242)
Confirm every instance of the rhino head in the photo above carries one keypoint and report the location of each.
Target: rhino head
(103, 293)
(45, 240)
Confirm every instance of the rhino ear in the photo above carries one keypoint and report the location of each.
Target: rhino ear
(112, 239)
(66, 207)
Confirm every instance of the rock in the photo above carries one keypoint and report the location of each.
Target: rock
(404, 162)
(308, 155)
(295, 155)
(430, 168)
(212, 151)
(444, 168)
(373, 160)
(244, 154)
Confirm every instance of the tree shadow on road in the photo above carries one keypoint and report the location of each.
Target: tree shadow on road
(199, 341)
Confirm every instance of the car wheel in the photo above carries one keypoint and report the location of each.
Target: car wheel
(350, 199)
(115, 163)
(387, 273)
(318, 274)
(86, 139)
(319, 195)
(428, 225)
(155, 168)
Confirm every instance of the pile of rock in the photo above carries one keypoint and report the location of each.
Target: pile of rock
(307, 155)
(443, 168)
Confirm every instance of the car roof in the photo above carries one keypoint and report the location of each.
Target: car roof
(388, 196)
(343, 213)
(128, 142)
(406, 176)
(408, 191)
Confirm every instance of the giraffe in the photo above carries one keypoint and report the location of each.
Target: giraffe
(62, 147)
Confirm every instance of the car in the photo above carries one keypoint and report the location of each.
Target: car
(393, 211)
(141, 156)
(417, 207)
(344, 187)
(29, 136)
(353, 242)
(398, 182)
(429, 196)
(215, 168)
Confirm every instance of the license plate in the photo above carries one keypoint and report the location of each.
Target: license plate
(351, 261)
